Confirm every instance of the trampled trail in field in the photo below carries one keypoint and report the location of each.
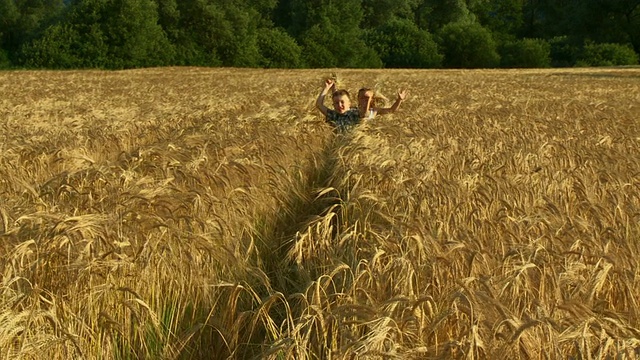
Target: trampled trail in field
(210, 213)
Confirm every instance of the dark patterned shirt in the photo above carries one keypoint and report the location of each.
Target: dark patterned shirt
(344, 121)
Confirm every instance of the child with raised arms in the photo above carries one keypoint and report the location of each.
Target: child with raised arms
(343, 116)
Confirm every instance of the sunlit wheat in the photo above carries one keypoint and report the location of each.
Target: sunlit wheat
(187, 213)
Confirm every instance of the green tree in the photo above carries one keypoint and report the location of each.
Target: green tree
(9, 16)
(526, 53)
(4, 59)
(218, 32)
(135, 38)
(102, 33)
(378, 12)
(435, 14)
(296, 16)
(36, 15)
(466, 44)
(607, 55)
(241, 48)
(329, 32)
(169, 18)
(603, 21)
(327, 45)
(541, 18)
(628, 11)
(196, 27)
(63, 47)
(24, 20)
(568, 25)
(502, 17)
(401, 44)
(278, 49)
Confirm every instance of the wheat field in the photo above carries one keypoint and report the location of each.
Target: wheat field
(191, 213)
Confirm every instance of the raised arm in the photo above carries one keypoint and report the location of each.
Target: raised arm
(402, 95)
(365, 97)
(328, 85)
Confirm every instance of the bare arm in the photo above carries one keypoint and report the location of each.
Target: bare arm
(402, 95)
(364, 104)
(328, 85)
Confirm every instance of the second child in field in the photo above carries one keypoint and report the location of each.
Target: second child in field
(367, 103)
(343, 116)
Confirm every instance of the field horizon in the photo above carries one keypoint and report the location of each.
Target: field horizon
(192, 213)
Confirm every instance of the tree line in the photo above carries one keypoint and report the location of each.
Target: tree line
(119, 34)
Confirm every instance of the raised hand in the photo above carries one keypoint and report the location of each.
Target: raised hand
(329, 84)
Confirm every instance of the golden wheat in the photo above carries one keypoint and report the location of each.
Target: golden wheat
(210, 213)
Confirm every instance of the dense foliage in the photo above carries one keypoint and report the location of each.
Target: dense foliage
(116, 34)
